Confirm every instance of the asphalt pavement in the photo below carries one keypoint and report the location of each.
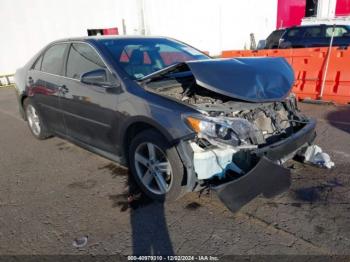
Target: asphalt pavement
(54, 195)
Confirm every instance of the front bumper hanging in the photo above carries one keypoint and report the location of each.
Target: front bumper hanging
(265, 178)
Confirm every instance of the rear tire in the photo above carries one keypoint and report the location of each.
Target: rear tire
(35, 122)
(156, 166)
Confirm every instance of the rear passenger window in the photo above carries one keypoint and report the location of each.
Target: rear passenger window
(81, 59)
(37, 65)
(53, 59)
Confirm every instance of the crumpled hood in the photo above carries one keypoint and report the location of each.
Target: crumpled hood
(249, 79)
(258, 79)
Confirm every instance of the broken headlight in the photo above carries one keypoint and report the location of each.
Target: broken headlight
(213, 128)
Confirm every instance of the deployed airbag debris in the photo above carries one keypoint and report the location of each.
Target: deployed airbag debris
(316, 156)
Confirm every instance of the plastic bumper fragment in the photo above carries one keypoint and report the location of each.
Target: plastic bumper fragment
(266, 178)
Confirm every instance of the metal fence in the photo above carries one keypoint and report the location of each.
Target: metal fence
(7, 80)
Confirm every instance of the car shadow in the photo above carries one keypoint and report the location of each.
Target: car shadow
(150, 234)
(318, 193)
(340, 118)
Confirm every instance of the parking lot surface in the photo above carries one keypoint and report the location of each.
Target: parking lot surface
(52, 192)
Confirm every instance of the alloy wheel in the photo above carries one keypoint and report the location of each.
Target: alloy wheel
(153, 168)
(33, 120)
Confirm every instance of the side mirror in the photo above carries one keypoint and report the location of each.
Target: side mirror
(95, 77)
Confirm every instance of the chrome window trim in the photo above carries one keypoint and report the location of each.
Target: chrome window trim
(55, 75)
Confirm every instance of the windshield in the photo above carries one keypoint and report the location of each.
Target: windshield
(144, 56)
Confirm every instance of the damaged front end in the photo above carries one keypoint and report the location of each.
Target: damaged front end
(244, 132)
(240, 155)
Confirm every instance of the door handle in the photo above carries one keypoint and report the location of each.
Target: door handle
(30, 80)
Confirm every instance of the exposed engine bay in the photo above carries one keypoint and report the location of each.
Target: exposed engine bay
(256, 124)
(232, 128)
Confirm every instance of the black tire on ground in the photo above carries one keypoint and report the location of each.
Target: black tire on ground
(176, 189)
(44, 133)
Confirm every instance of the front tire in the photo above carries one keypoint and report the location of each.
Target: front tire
(34, 120)
(156, 166)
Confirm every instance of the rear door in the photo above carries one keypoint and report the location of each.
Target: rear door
(89, 110)
(46, 82)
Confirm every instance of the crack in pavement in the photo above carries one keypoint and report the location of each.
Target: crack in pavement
(285, 232)
(265, 224)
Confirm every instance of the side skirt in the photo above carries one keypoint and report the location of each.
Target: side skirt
(108, 155)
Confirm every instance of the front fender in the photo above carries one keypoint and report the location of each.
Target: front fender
(142, 120)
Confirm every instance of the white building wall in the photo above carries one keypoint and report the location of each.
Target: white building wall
(211, 25)
(326, 8)
(26, 26)
(326, 15)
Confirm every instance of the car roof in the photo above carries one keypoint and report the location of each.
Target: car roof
(104, 37)
(315, 25)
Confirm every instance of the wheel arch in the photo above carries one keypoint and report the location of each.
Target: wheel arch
(22, 98)
(137, 125)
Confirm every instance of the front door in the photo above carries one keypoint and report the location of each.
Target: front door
(89, 110)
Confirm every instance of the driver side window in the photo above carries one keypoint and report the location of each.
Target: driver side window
(81, 59)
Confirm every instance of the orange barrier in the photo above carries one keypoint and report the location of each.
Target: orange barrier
(309, 66)
(337, 84)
